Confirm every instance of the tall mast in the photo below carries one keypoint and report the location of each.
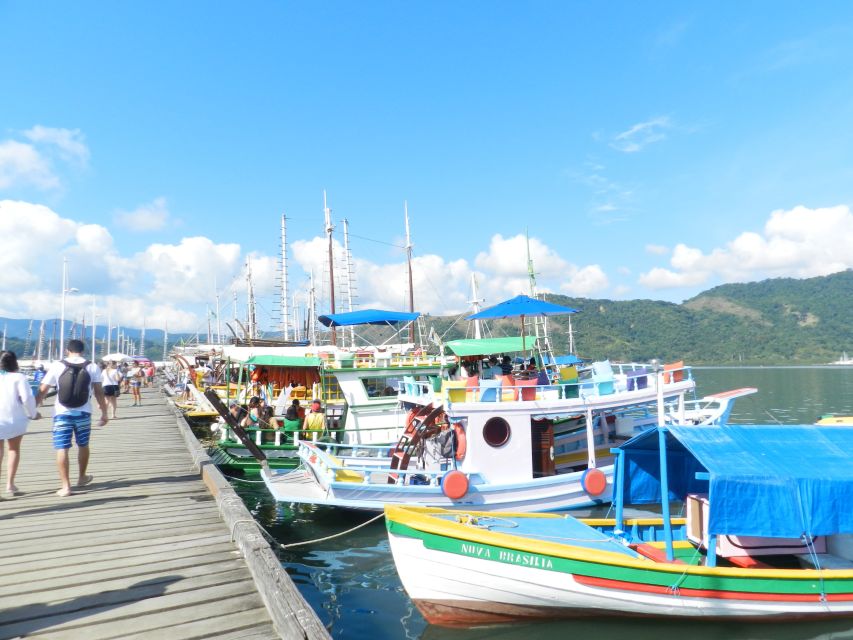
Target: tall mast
(209, 330)
(409, 263)
(142, 338)
(234, 296)
(40, 345)
(329, 229)
(29, 337)
(284, 310)
(475, 304)
(349, 275)
(250, 301)
(531, 274)
(218, 316)
(165, 341)
(311, 320)
(93, 328)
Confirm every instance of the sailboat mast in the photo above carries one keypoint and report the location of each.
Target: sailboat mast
(312, 302)
(165, 341)
(285, 311)
(250, 301)
(348, 270)
(409, 264)
(475, 304)
(329, 229)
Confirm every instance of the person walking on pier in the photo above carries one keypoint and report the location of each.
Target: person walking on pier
(17, 407)
(75, 379)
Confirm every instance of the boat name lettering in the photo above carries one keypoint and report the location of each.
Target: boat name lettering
(476, 550)
(525, 559)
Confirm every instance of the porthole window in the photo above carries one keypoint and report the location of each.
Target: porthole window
(496, 432)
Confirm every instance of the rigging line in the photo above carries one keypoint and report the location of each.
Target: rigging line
(389, 244)
(336, 535)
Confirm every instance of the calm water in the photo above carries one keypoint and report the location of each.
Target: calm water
(352, 584)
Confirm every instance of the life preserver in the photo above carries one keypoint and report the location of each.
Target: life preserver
(594, 482)
(454, 484)
(461, 442)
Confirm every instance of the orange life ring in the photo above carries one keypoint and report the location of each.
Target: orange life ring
(594, 482)
(461, 442)
(454, 484)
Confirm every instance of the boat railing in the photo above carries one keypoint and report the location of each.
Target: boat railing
(631, 377)
(353, 468)
(284, 436)
(384, 360)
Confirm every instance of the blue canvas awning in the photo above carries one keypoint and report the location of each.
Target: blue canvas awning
(367, 316)
(765, 480)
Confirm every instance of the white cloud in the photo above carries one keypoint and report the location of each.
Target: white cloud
(800, 243)
(641, 135)
(69, 143)
(21, 164)
(586, 282)
(30, 163)
(508, 257)
(146, 217)
(657, 249)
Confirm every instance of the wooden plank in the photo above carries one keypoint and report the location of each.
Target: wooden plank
(141, 552)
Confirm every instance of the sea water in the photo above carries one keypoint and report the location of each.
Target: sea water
(353, 586)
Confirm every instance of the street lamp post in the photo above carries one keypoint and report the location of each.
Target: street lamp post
(65, 291)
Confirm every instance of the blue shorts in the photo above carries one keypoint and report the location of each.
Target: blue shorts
(80, 424)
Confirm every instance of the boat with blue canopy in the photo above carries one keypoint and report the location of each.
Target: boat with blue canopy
(766, 534)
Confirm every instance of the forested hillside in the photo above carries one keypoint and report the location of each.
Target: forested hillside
(780, 321)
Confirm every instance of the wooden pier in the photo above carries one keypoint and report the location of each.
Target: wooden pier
(144, 550)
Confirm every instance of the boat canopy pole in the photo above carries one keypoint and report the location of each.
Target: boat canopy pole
(619, 481)
(664, 494)
(590, 439)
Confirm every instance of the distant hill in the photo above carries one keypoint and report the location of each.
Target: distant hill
(778, 321)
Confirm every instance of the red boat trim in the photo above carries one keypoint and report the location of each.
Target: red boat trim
(709, 593)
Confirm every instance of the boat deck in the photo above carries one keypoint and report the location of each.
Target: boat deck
(140, 552)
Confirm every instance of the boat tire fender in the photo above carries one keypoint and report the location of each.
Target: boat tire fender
(594, 482)
(454, 484)
(461, 442)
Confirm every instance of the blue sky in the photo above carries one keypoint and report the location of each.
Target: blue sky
(650, 150)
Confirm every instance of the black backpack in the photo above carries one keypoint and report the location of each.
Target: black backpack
(72, 388)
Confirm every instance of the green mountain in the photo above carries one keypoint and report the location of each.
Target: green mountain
(779, 321)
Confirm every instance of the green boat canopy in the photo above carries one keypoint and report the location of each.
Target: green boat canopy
(283, 361)
(488, 346)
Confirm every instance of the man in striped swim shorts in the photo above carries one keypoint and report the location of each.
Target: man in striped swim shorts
(75, 379)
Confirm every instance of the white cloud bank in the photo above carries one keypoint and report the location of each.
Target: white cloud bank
(31, 164)
(799, 243)
(176, 283)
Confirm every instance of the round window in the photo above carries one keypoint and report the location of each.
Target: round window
(496, 432)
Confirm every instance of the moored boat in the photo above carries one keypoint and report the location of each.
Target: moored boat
(768, 536)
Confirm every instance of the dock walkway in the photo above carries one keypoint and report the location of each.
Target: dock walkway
(141, 552)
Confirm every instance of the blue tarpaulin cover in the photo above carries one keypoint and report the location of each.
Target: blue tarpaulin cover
(777, 481)
(366, 316)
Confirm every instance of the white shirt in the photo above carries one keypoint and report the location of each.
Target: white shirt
(51, 379)
(111, 377)
(17, 404)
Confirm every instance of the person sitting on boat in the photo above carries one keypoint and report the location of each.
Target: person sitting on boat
(315, 421)
(506, 366)
(253, 415)
(294, 411)
(269, 421)
(491, 369)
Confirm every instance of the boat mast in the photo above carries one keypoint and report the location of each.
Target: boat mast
(284, 310)
(166, 341)
(475, 305)
(29, 337)
(409, 264)
(142, 338)
(250, 301)
(349, 274)
(93, 329)
(312, 325)
(329, 229)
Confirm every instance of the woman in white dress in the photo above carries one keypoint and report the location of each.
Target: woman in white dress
(112, 379)
(17, 406)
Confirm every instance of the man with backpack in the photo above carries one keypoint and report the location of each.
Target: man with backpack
(75, 379)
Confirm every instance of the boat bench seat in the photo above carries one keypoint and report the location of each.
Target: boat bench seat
(654, 553)
(824, 561)
(345, 475)
(748, 562)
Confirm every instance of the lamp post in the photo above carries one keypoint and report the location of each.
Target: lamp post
(65, 290)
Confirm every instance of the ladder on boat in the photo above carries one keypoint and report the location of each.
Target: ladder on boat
(543, 346)
(419, 426)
